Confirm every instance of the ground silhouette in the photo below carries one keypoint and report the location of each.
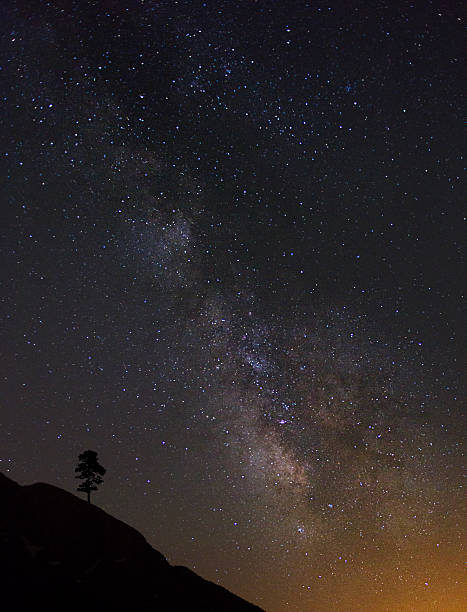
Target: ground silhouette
(57, 552)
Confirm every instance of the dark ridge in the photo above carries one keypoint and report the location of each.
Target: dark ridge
(60, 553)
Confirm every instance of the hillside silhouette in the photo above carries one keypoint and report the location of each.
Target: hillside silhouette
(59, 552)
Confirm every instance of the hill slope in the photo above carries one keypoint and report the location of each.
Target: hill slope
(60, 553)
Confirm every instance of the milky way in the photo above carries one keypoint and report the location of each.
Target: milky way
(232, 264)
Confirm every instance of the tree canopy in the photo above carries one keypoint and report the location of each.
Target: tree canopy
(90, 472)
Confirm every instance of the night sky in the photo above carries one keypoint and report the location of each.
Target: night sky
(232, 264)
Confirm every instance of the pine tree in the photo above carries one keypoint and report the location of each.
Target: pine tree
(89, 471)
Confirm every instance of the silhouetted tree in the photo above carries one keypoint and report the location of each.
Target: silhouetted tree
(89, 471)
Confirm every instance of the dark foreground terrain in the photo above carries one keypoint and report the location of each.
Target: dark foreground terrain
(57, 552)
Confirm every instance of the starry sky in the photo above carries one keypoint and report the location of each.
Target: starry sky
(232, 264)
